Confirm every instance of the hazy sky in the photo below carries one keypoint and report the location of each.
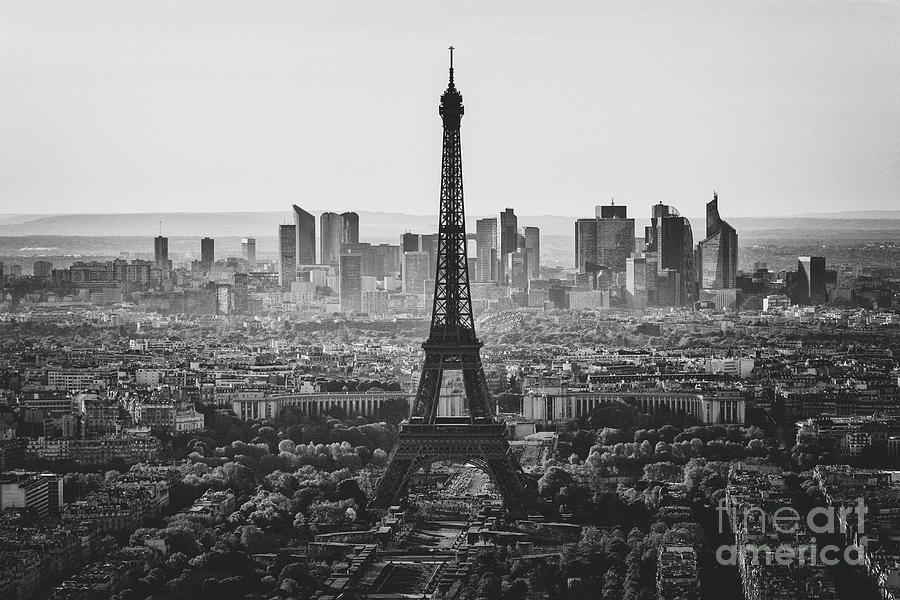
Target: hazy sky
(122, 106)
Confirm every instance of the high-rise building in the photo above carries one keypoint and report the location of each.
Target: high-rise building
(287, 255)
(350, 234)
(650, 233)
(429, 244)
(43, 269)
(671, 238)
(639, 279)
(350, 283)
(207, 252)
(586, 244)
(486, 250)
(611, 211)
(331, 227)
(241, 293)
(305, 225)
(376, 302)
(224, 299)
(391, 257)
(377, 261)
(605, 241)
(248, 250)
(507, 230)
(811, 280)
(615, 242)
(337, 229)
(410, 242)
(161, 253)
(717, 255)
(516, 270)
(415, 271)
(668, 288)
(533, 251)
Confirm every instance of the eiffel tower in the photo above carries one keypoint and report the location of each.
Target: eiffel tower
(478, 438)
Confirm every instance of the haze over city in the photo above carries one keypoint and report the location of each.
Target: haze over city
(784, 108)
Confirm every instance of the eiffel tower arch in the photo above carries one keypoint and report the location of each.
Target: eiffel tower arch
(478, 438)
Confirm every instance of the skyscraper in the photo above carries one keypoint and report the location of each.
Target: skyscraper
(350, 234)
(507, 230)
(414, 272)
(287, 255)
(585, 244)
(717, 255)
(241, 295)
(486, 250)
(331, 227)
(337, 229)
(161, 253)
(350, 282)
(410, 242)
(391, 257)
(248, 250)
(604, 241)
(611, 211)
(811, 280)
(507, 227)
(429, 243)
(671, 238)
(516, 270)
(305, 224)
(533, 251)
(207, 252)
(637, 282)
(43, 269)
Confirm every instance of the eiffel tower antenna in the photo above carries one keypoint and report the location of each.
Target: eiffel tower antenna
(477, 438)
(451, 65)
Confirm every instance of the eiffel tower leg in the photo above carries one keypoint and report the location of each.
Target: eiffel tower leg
(476, 386)
(427, 396)
(392, 484)
(511, 483)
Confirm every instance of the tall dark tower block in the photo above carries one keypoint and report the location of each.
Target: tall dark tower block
(207, 252)
(477, 438)
(305, 231)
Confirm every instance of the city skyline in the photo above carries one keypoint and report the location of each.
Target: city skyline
(671, 102)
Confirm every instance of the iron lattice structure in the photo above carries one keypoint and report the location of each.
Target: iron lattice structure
(477, 438)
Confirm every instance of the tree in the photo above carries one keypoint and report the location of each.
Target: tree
(488, 586)
(663, 471)
(252, 538)
(517, 589)
(379, 457)
(552, 480)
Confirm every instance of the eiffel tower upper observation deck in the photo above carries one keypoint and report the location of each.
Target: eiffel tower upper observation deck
(477, 438)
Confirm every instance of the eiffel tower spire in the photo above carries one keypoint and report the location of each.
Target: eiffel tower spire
(451, 317)
(477, 438)
(451, 342)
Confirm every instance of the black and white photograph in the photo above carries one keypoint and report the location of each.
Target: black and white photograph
(260, 339)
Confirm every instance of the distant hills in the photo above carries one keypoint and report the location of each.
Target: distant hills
(386, 227)
(855, 214)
